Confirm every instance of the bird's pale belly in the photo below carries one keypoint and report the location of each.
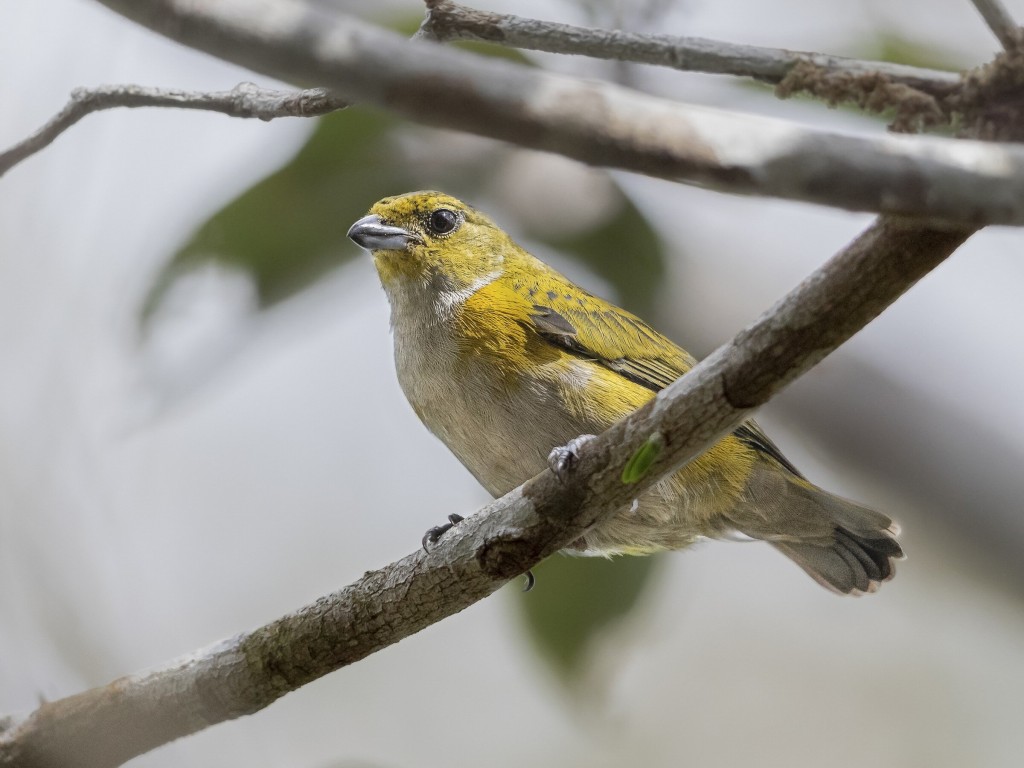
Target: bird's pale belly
(502, 435)
(502, 432)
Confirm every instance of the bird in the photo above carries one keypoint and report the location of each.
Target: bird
(513, 367)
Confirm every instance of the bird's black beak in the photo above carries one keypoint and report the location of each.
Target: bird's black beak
(373, 235)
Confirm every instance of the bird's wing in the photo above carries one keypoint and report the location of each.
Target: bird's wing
(599, 331)
(592, 328)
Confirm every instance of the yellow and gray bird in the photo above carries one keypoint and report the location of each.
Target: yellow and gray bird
(505, 360)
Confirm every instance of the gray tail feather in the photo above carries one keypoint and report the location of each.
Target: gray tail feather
(844, 546)
(854, 563)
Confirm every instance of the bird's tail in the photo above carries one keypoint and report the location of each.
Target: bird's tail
(844, 546)
(858, 555)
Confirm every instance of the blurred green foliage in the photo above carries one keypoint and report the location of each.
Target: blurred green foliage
(288, 229)
(576, 599)
(406, 24)
(889, 45)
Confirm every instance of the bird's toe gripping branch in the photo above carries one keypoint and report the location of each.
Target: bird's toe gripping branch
(563, 458)
(433, 535)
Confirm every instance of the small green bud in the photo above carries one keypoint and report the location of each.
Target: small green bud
(643, 459)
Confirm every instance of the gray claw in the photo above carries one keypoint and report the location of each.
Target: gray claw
(563, 458)
(433, 535)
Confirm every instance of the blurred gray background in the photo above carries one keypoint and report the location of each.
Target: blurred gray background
(200, 426)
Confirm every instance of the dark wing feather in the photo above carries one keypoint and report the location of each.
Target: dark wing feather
(750, 434)
(613, 338)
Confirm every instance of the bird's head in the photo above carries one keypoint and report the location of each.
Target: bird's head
(432, 239)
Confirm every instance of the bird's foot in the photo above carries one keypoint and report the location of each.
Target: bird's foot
(433, 535)
(563, 458)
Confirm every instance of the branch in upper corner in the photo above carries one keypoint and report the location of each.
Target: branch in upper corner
(1000, 22)
(969, 183)
(448, 21)
(244, 100)
(106, 726)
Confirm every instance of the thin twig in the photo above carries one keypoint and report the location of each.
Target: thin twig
(106, 726)
(244, 100)
(447, 21)
(1000, 22)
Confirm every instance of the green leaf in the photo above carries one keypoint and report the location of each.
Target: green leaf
(643, 459)
(577, 600)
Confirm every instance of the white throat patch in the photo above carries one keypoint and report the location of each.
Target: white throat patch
(449, 300)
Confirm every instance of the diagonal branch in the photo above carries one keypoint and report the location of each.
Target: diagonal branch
(447, 21)
(972, 183)
(106, 726)
(244, 100)
(1000, 22)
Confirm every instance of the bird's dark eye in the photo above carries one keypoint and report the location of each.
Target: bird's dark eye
(443, 221)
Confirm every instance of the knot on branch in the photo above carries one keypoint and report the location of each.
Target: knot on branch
(990, 102)
(445, 21)
(913, 110)
(507, 557)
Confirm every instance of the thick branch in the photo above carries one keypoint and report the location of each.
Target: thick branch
(447, 21)
(1000, 22)
(244, 100)
(109, 725)
(972, 183)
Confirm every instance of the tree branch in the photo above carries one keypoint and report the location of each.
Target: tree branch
(106, 726)
(447, 21)
(1000, 22)
(972, 183)
(244, 100)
